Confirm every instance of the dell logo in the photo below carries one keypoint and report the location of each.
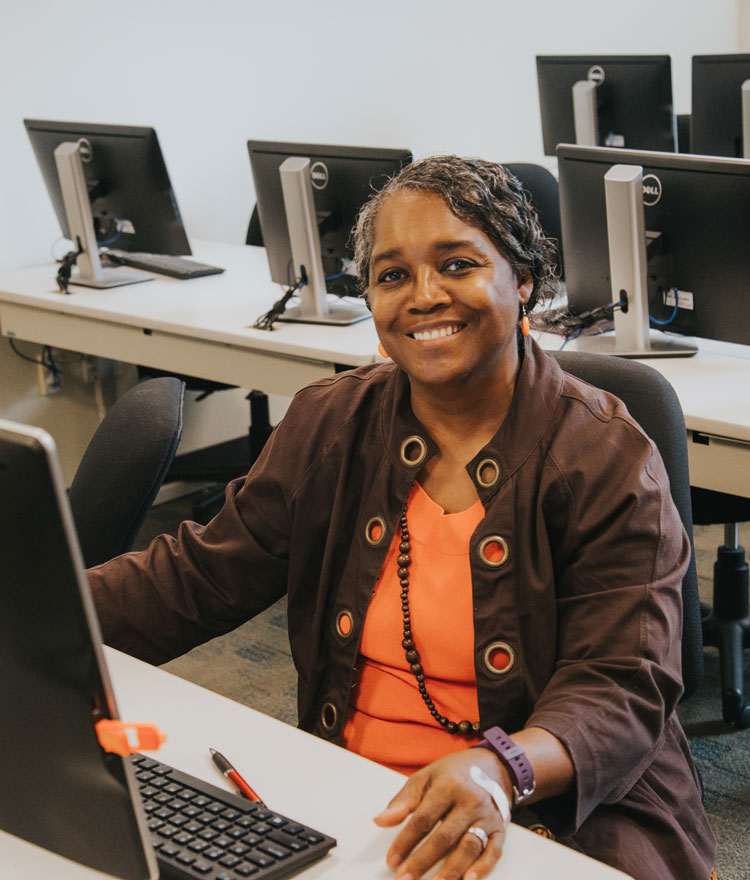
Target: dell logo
(319, 175)
(596, 75)
(651, 190)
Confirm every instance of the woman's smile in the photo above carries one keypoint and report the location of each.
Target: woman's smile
(429, 333)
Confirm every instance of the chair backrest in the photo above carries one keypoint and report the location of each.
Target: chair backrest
(123, 467)
(653, 403)
(542, 186)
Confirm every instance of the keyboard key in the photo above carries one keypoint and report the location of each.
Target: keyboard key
(201, 867)
(245, 870)
(273, 849)
(229, 861)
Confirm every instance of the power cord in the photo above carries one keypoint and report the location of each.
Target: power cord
(66, 268)
(266, 321)
(47, 361)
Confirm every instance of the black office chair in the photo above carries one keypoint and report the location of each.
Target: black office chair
(653, 403)
(543, 188)
(124, 466)
(726, 623)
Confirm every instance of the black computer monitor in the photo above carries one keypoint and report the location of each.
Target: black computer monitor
(342, 178)
(696, 223)
(717, 117)
(132, 203)
(629, 96)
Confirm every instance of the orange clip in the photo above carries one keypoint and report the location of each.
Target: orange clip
(125, 738)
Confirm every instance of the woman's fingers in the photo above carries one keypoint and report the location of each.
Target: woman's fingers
(462, 850)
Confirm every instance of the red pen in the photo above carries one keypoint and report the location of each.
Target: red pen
(231, 774)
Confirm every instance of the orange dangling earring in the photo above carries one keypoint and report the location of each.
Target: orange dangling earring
(524, 321)
(381, 351)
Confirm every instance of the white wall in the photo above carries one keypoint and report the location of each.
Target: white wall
(431, 75)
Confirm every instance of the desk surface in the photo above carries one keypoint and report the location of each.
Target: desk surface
(202, 327)
(298, 774)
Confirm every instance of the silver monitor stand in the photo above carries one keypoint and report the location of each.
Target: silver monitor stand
(89, 271)
(623, 185)
(302, 223)
(746, 119)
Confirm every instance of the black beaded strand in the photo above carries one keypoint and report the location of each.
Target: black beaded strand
(463, 728)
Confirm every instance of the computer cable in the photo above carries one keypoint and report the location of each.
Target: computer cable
(663, 323)
(66, 268)
(266, 321)
(47, 361)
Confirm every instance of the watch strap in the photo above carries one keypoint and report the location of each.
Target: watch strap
(514, 758)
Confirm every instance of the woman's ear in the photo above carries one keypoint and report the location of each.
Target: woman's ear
(525, 289)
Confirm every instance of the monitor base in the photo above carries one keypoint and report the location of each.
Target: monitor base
(338, 313)
(111, 278)
(660, 346)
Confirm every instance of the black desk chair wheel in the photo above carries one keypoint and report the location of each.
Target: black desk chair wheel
(124, 466)
(653, 403)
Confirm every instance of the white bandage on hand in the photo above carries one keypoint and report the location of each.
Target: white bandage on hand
(494, 790)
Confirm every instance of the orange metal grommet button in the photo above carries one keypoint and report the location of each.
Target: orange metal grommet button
(329, 716)
(493, 551)
(542, 831)
(344, 624)
(499, 658)
(487, 472)
(375, 530)
(413, 451)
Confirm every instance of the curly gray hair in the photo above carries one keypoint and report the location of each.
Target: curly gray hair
(483, 194)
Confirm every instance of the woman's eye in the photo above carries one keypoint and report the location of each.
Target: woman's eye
(390, 275)
(460, 264)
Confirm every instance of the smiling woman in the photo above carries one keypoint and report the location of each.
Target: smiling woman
(456, 510)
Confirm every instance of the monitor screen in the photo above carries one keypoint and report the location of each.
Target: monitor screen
(342, 179)
(697, 220)
(633, 99)
(717, 104)
(132, 201)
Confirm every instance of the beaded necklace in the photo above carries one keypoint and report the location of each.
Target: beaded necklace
(462, 728)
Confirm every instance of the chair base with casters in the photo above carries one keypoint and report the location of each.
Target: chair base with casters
(726, 623)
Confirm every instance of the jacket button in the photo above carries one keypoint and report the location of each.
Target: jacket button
(499, 658)
(413, 451)
(375, 530)
(344, 624)
(329, 716)
(493, 551)
(487, 472)
(542, 830)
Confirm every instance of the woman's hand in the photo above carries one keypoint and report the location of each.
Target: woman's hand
(444, 802)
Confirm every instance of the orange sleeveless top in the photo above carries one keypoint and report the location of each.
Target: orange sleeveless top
(387, 720)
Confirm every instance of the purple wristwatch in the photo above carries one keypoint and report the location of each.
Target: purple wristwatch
(515, 760)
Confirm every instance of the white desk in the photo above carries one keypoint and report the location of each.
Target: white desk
(298, 774)
(203, 328)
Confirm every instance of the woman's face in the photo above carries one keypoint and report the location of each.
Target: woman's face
(445, 301)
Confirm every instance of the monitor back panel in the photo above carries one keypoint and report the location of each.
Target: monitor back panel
(701, 207)
(59, 789)
(634, 98)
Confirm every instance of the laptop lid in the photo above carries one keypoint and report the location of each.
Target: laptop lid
(60, 790)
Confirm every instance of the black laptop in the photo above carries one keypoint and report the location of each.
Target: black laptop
(60, 789)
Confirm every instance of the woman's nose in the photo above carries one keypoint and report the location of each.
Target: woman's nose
(428, 290)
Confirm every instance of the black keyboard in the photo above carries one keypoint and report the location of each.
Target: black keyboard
(163, 264)
(201, 831)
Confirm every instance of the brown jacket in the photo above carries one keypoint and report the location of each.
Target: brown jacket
(588, 600)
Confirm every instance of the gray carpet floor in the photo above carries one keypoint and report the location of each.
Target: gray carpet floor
(253, 666)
